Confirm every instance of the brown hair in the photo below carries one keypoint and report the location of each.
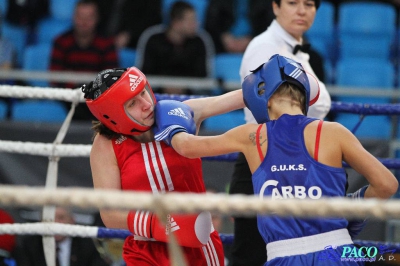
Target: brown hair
(101, 129)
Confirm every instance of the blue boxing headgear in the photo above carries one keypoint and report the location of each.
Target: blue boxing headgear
(274, 73)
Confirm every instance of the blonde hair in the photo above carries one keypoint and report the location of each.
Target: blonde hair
(292, 91)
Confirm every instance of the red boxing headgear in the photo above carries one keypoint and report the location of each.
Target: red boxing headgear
(107, 95)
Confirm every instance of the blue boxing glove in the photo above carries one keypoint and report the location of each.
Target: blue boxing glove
(172, 117)
(355, 226)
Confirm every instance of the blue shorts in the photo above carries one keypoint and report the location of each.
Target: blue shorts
(330, 256)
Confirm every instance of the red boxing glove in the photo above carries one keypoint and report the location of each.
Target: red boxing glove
(189, 230)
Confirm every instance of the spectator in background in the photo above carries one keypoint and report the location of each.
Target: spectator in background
(7, 50)
(7, 242)
(233, 23)
(7, 62)
(7, 54)
(144, 13)
(83, 49)
(107, 12)
(178, 50)
(72, 251)
(26, 12)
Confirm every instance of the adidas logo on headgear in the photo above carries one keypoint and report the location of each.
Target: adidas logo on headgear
(134, 81)
(178, 112)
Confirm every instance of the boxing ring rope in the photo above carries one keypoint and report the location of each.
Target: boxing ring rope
(51, 196)
(183, 203)
(194, 202)
(83, 150)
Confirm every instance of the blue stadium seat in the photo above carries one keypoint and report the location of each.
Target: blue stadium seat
(366, 29)
(360, 74)
(322, 34)
(126, 57)
(18, 36)
(3, 7)
(49, 28)
(62, 9)
(199, 5)
(3, 110)
(227, 65)
(365, 72)
(224, 122)
(38, 111)
(37, 58)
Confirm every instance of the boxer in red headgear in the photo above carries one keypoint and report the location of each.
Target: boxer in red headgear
(109, 93)
(125, 156)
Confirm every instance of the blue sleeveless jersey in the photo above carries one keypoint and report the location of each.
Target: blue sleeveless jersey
(288, 171)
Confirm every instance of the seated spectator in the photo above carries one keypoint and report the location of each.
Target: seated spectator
(26, 12)
(145, 14)
(7, 62)
(177, 50)
(7, 242)
(107, 16)
(83, 49)
(233, 23)
(7, 50)
(7, 54)
(70, 250)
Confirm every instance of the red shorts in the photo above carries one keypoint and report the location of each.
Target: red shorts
(155, 253)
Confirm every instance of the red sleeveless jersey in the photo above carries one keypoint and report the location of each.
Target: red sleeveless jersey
(155, 166)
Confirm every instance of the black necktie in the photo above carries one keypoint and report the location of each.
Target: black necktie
(304, 48)
(57, 252)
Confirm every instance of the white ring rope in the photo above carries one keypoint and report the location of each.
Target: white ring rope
(49, 229)
(191, 202)
(68, 95)
(45, 149)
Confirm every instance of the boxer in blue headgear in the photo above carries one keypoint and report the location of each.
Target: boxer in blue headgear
(289, 155)
(266, 79)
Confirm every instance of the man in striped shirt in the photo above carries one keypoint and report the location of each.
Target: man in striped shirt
(82, 48)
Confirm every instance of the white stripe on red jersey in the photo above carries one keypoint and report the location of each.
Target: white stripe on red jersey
(210, 254)
(156, 161)
(156, 168)
(164, 167)
(148, 169)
